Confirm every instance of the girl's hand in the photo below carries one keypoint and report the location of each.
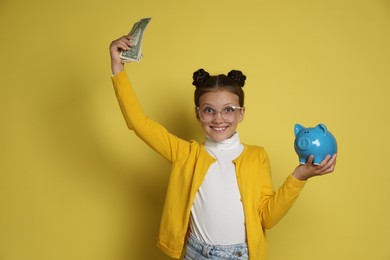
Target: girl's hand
(308, 170)
(118, 45)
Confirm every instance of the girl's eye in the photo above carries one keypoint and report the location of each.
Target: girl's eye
(228, 109)
(209, 110)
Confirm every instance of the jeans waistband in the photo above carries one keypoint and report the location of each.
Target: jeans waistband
(235, 251)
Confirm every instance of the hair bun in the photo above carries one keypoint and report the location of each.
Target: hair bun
(199, 77)
(237, 76)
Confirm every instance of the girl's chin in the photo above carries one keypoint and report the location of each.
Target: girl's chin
(219, 137)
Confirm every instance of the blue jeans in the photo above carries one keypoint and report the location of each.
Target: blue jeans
(198, 250)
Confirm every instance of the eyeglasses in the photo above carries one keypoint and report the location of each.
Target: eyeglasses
(228, 114)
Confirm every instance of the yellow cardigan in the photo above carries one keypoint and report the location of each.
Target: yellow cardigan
(263, 207)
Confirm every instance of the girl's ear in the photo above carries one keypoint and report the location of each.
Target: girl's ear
(196, 113)
(242, 114)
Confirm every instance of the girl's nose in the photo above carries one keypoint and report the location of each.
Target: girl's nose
(218, 118)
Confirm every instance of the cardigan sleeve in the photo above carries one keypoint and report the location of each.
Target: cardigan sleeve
(151, 132)
(275, 205)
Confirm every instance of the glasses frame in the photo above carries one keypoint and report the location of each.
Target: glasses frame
(218, 112)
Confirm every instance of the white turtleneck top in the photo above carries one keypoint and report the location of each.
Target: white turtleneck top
(217, 215)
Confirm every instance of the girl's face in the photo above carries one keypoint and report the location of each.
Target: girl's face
(221, 101)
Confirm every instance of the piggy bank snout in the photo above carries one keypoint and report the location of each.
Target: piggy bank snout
(303, 143)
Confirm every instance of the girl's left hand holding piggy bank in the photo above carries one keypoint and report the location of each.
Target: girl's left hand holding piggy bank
(306, 171)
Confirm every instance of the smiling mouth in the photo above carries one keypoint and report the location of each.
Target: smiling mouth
(219, 129)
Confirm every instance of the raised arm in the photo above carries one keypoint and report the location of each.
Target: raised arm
(151, 132)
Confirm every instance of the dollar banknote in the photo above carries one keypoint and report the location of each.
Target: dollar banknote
(137, 34)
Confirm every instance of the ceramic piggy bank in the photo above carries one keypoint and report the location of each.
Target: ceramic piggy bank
(317, 141)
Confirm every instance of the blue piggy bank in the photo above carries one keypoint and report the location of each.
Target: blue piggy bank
(317, 141)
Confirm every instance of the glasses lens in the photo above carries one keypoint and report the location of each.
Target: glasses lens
(207, 114)
(229, 113)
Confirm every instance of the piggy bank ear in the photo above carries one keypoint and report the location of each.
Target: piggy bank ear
(298, 128)
(323, 128)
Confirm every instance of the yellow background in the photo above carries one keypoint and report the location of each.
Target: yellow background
(75, 184)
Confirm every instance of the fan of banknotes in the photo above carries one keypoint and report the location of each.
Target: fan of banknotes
(137, 34)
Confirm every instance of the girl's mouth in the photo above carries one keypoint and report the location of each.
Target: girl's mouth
(219, 128)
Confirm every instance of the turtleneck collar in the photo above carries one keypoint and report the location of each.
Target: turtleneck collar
(227, 144)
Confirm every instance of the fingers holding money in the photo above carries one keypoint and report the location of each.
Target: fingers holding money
(121, 44)
(124, 43)
(116, 47)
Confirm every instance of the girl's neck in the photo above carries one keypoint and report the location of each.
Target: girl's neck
(227, 144)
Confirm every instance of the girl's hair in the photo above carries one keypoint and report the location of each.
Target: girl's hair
(233, 82)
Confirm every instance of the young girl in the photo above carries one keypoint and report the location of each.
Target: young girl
(220, 198)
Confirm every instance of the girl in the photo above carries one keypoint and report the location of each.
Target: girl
(220, 198)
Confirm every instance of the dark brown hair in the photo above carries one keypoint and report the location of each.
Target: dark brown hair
(234, 82)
